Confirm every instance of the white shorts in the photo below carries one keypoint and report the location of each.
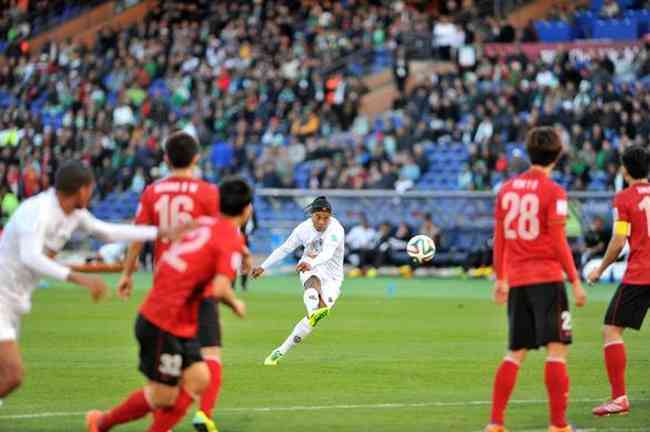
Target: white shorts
(330, 289)
(9, 324)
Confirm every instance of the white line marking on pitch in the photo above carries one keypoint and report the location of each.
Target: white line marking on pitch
(339, 407)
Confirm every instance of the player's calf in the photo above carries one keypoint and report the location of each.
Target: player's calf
(196, 379)
(11, 368)
(10, 380)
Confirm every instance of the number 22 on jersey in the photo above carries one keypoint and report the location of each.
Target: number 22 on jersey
(525, 210)
(192, 242)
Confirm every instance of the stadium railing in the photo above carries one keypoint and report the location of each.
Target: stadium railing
(465, 218)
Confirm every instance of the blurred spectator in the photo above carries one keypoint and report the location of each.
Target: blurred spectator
(610, 9)
(361, 242)
(596, 240)
(8, 204)
(391, 247)
(401, 70)
(428, 228)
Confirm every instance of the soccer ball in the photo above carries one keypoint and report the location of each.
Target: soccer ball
(421, 248)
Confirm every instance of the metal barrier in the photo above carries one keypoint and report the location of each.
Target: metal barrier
(465, 218)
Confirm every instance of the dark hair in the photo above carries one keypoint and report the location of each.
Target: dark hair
(635, 160)
(543, 145)
(234, 195)
(181, 148)
(72, 176)
(320, 204)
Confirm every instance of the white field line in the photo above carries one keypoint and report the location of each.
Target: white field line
(349, 407)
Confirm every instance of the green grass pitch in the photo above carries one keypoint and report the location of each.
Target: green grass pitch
(420, 360)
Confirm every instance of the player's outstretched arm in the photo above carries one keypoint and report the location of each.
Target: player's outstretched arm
(31, 255)
(131, 233)
(222, 289)
(278, 254)
(616, 245)
(125, 284)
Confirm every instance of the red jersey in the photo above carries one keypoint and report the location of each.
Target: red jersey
(632, 206)
(185, 271)
(174, 200)
(527, 208)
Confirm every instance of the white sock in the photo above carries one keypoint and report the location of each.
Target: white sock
(311, 300)
(300, 332)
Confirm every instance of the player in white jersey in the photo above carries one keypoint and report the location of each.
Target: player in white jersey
(320, 268)
(35, 233)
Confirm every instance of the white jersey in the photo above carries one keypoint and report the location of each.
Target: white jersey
(38, 230)
(323, 250)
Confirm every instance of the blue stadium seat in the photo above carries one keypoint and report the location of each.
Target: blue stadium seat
(584, 23)
(642, 18)
(597, 5)
(554, 31)
(616, 29)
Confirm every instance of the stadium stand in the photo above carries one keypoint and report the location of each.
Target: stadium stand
(284, 109)
(22, 20)
(611, 19)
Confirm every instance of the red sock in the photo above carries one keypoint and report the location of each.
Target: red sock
(504, 382)
(133, 408)
(557, 386)
(165, 419)
(211, 394)
(615, 361)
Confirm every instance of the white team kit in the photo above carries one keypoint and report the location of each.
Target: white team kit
(324, 251)
(38, 230)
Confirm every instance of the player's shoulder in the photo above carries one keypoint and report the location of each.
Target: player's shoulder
(224, 231)
(552, 187)
(628, 194)
(39, 205)
(304, 225)
(152, 188)
(336, 225)
(205, 185)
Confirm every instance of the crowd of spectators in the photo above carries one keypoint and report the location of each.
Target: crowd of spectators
(254, 81)
(610, 9)
(249, 79)
(371, 248)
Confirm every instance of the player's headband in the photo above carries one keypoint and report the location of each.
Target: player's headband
(320, 204)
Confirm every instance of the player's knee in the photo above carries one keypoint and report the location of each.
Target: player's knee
(162, 396)
(312, 282)
(612, 333)
(557, 350)
(211, 353)
(197, 378)
(519, 356)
